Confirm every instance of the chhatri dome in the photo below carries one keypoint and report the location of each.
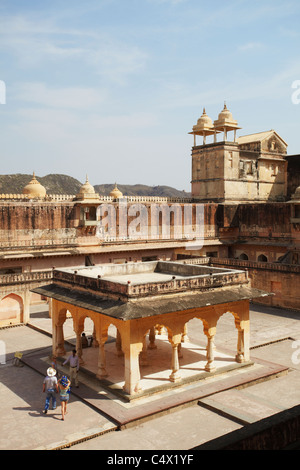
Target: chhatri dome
(203, 127)
(204, 122)
(34, 189)
(87, 191)
(225, 115)
(116, 193)
(225, 122)
(86, 188)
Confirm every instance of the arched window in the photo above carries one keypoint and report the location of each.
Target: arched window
(243, 256)
(11, 310)
(262, 258)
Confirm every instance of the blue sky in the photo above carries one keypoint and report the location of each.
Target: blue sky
(111, 88)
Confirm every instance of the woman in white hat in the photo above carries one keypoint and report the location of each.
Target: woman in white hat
(51, 388)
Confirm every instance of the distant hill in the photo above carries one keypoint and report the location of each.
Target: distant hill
(54, 184)
(141, 190)
(64, 184)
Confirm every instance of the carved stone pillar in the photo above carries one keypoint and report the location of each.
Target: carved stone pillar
(78, 325)
(58, 319)
(119, 344)
(243, 349)
(184, 336)
(210, 333)
(79, 346)
(95, 343)
(144, 355)
(175, 374)
(132, 368)
(101, 373)
(60, 341)
(180, 354)
(152, 344)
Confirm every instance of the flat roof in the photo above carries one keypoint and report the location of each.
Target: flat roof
(149, 271)
(136, 290)
(133, 280)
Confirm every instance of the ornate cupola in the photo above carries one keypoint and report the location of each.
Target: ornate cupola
(226, 123)
(87, 192)
(203, 127)
(34, 189)
(116, 193)
(87, 202)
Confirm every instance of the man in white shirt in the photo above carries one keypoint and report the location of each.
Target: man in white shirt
(50, 386)
(74, 367)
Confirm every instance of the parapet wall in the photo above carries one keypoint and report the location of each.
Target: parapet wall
(280, 279)
(277, 432)
(190, 278)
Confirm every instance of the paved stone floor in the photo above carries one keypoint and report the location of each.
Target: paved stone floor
(23, 426)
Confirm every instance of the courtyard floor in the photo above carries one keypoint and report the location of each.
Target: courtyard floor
(217, 411)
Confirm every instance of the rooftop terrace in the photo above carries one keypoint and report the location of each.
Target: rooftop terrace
(137, 290)
(148, 278)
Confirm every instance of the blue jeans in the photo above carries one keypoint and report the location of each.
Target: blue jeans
(51, 394)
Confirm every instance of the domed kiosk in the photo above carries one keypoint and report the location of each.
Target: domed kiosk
(116, 193)
(34, 189)
(87, 192)
(203, 127)
(87, 202)
(226, 123)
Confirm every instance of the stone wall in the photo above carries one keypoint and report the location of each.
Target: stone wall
(277, 432)
(280, 279)
(293, 174)
(29, 224)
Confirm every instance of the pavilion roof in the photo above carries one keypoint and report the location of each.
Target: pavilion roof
(149, 306)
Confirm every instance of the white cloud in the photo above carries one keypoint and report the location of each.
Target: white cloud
(58, 126)
(40, 41)
(249, 46)
(67, 97)
(114, 60)
(240, 88)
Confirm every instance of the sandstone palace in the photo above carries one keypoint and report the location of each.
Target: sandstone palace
(245, 190)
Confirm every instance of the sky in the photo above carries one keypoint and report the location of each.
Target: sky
(111, 88)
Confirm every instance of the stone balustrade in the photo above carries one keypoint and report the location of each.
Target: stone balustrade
(244, 264)
(21, 278)
(198, 279)
(40, 242)
(71, 197)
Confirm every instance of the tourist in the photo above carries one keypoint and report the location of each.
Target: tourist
(51, 388)
(54, 363)
(74, 366)
(84, 341)
(64, 394)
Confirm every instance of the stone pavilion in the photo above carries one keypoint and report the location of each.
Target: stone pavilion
(140, 298)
